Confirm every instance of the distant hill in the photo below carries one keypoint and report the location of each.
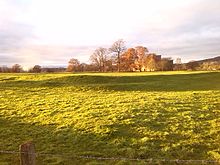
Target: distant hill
(215, 59)
(206, 64)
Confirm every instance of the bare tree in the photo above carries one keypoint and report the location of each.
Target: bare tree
(73, 65)
(99, 58)
(118, 48)
(36, 69)
(16, 68)
(5, 69)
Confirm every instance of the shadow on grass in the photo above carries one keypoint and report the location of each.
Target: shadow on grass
(63, 145)
(123, 140)
(175, 82)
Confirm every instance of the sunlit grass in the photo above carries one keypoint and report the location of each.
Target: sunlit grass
(171, 115)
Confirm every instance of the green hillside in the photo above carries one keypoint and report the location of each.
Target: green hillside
(162, 115)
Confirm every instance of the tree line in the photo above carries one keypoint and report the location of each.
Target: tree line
(118, 58)
(16, 68)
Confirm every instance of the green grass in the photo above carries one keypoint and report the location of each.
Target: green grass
(162, 115)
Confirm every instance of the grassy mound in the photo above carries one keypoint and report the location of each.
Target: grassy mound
(164, 115)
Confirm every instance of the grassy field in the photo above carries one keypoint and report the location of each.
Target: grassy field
(162, 115)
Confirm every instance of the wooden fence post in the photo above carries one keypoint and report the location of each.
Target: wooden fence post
(27, 154)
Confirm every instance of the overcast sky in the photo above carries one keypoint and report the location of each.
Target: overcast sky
(50, 32)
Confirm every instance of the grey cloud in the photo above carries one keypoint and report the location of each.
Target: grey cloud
(47, 55)
(192, 49)
(14, 36)
(16, 47)
(195, 37)
(8, 59)
(53, 54)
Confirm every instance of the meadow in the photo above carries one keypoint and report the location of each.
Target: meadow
(161, 115)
